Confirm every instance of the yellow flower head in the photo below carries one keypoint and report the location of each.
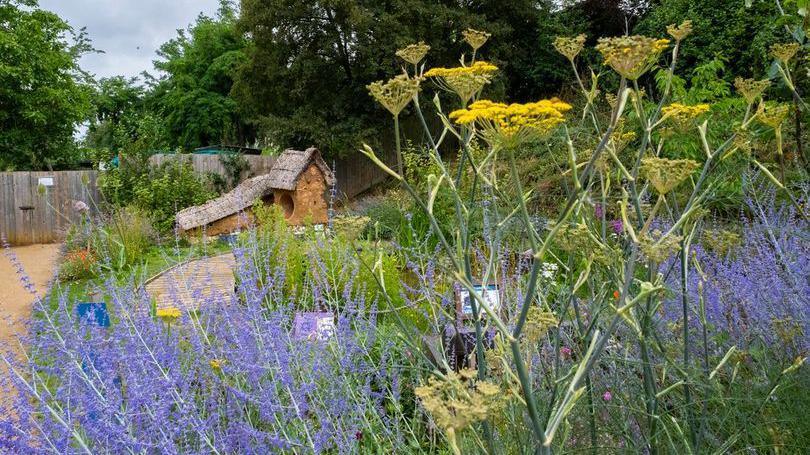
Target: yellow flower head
(413, 53)
(679, 32)
(216, 364)
(784, 51)
(168, 314)
(772, 114)
(570, 47)
(751, 89)
(395, 94)
(683, 113)
(465, 81)
(475, 38)
(631, 56)
(665, 174)
(505, 125)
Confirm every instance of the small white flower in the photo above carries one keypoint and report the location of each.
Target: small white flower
(549, 269)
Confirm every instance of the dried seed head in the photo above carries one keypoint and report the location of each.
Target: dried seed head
(413, 53)
(657, 248)
(751, 89)
(772, 114)
(395, 94)
(538, 322)
(454, 404)
(570, 47)
(665, 174)
(475, 38)
(784, 51)
(631, 56)
(720, 241)
(679, 32)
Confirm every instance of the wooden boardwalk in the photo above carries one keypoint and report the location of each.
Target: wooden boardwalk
(187, 284)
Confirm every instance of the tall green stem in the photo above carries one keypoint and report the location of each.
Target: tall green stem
(400, 167)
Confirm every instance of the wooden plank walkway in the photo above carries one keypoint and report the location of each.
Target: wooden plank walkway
(187, 284)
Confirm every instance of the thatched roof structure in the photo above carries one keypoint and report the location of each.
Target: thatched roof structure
(283, 175)
(292, 163)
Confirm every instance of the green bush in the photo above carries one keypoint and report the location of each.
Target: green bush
(159, 191)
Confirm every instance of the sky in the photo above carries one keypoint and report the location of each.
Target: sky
(128, 31)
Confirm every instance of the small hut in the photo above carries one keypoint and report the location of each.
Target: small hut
(298, 182)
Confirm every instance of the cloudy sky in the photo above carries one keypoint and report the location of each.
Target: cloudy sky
(128, 31)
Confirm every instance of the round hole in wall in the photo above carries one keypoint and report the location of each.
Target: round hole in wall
(287, 204)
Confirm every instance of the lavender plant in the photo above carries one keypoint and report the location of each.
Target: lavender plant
(228, 377)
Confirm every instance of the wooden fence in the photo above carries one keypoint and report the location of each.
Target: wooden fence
(204, 164)
(37, 207)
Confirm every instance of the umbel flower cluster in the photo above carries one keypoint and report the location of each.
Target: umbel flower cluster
(683, 113)
(500, 122)
(784, 52)
(680, 32)
(570, 47)
(455, 403)
(665, 174)
(772, 114)
(464, 81)
(631, 56)
(395, 94)
(751, 89)
(475, 38)
(413, 53)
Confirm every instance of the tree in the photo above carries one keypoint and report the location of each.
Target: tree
(118, 104)
(193, 96)
(309, 62)
(727, 28)
(43, 93)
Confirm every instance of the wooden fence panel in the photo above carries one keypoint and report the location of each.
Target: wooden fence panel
(37, 207)
(204, 164)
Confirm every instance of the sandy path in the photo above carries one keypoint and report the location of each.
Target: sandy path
(39, 262)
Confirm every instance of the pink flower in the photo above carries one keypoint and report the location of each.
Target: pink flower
(607, 396)
(565, 351)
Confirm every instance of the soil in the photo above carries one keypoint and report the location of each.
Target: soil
(39, 263)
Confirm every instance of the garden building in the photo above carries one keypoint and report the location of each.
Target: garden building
(298, 183)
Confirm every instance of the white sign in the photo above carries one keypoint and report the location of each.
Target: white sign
(489, 294)
(46, 181)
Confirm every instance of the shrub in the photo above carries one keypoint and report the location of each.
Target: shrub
(168, 189)
(77, 265)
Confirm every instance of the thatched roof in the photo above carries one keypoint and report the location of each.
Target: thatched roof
(283, 175)
(292, 163)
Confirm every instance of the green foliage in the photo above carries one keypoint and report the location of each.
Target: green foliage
(308, 64)
(168, 189)
(193, 98)
(727, 28)
(308, 262)
(119, 112)
(42, 90)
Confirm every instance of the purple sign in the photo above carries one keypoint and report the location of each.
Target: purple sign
(313, 325)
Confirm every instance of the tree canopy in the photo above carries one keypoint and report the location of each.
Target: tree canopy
(43, 92)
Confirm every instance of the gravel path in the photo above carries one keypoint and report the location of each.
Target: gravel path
(40, 263)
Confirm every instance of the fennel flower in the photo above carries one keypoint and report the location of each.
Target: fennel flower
(395, 94)
(413, 53)
(631, 56)
(570, 47)
(665, 174)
